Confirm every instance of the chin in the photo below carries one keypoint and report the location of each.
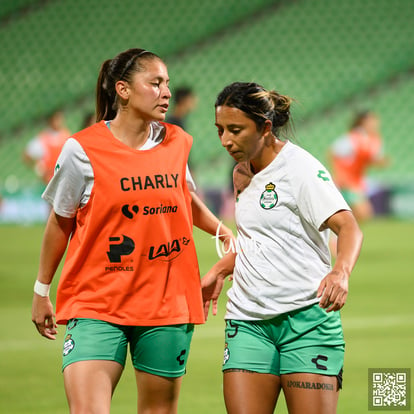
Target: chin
(238, 157)
(159, 117)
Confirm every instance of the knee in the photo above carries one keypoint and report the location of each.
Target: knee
(88, 408)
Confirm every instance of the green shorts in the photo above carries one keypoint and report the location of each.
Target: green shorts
(307, 340)
(353, 197)
(158, 350)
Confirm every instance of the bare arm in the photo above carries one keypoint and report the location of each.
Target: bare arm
(333, 289)
(55, 239)
(381, 162)
(205, 220)
(212, 282)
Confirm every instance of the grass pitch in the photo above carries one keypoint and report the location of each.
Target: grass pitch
(378, 323)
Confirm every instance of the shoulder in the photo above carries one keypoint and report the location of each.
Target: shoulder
(72, 147)
(35, 148)
(72, 154)
(343, 146)
(298, 158)
(90, 133)
(303, 168)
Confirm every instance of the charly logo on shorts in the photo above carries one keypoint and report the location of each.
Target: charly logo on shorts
(226, 354)
(68, 345)
(269, 197)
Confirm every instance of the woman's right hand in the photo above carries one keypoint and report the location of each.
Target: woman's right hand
(57, 233)
(43, 316)
(211, 287)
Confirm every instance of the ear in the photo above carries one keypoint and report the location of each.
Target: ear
(267, 128)
(122, 89)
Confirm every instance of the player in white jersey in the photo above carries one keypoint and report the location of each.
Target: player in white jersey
(283, 328)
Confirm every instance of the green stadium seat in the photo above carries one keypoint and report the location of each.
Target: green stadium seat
(324, 54)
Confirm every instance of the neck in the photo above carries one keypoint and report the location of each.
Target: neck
(131, 131)
(266, 156)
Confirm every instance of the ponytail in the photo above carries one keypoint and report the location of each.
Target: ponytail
(281, 108)
(105, 97)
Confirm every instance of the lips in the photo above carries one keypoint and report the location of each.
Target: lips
(235, 154)
(164, 106)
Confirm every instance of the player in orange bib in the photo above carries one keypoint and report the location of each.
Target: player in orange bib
(123, 198)
(352, 155)
(43, 150)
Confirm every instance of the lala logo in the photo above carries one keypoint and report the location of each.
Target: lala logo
(269, 197)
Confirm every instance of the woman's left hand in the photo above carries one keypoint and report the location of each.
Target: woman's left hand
(333, 291)
(212, 283)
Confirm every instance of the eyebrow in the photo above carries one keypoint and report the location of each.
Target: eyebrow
(158, 78)
(232, 125)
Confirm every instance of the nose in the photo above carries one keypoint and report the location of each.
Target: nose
(166, 93)
(225, 140)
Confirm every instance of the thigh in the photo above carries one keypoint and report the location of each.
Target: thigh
(157, 394)
(310, 393)
(251, 369)
(161, 350)
(247, 392)
(94, 354)
(311, 366)
(89, 385)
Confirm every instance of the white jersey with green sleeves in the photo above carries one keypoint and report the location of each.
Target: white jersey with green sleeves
(282, 249)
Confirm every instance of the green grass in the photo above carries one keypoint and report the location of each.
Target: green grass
(378, 323)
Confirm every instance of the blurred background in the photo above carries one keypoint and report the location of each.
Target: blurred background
(334, 57)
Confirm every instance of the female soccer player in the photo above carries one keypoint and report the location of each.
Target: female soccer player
(120, 193)
(351, 156)
(43, 150)
(283, 330)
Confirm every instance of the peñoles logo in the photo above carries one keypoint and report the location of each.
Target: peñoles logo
(169, 251)
(116, 250)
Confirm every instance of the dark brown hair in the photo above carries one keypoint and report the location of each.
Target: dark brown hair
(257, 103)
(121, 67)
(360, 118)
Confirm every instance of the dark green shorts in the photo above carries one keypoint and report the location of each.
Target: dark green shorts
(353, 197)
(308, 340)
(158, 350)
